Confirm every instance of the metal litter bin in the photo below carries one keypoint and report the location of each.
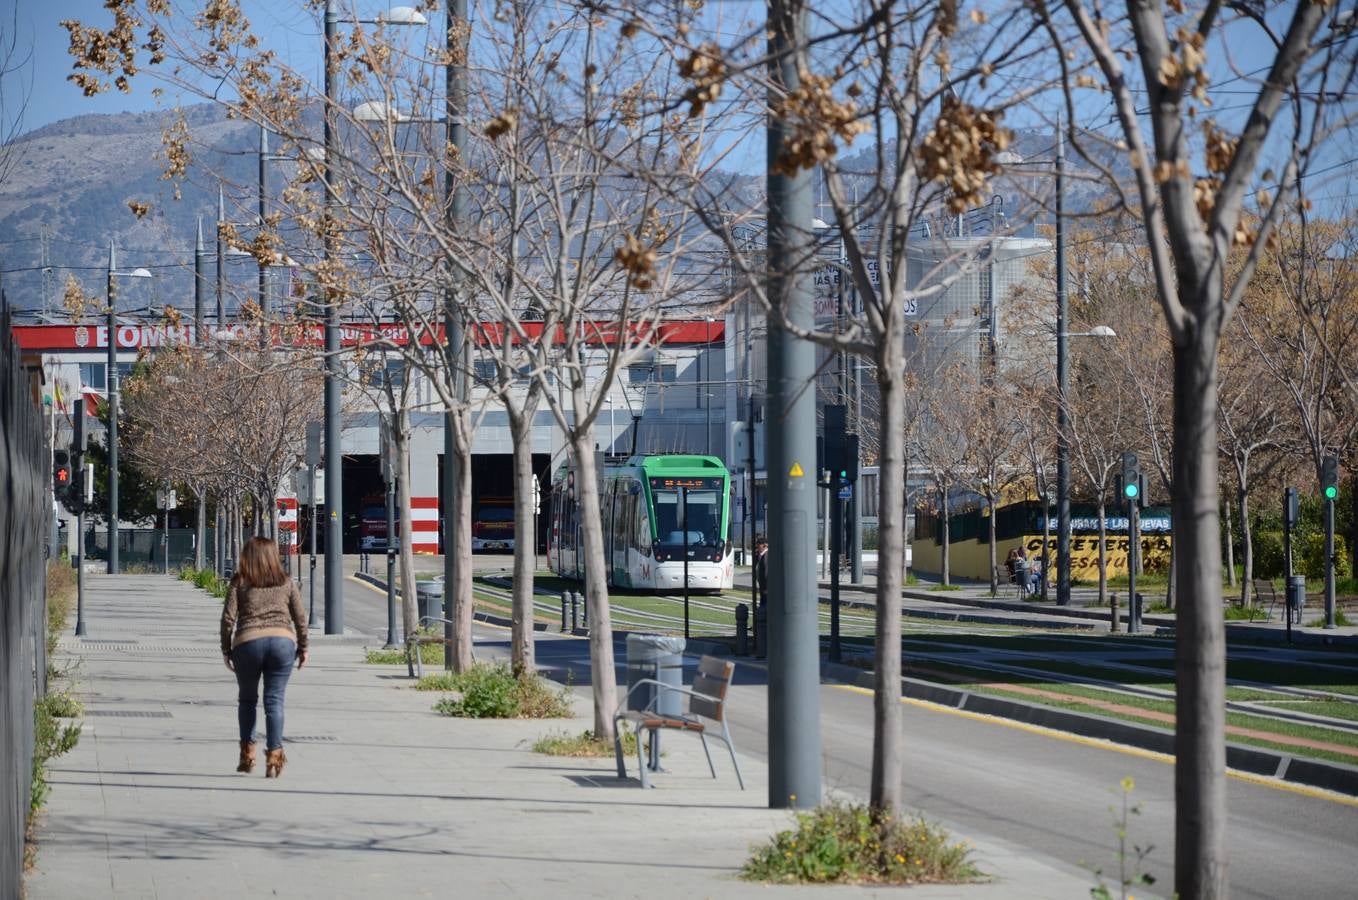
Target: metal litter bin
(660, 657)
(429, 595)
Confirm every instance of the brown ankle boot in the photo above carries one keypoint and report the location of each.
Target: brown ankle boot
(247, 757)
(273, 763)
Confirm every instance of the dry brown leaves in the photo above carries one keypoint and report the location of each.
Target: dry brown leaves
(705, 68)
(818, 118)
(638, 260)
(960, 151)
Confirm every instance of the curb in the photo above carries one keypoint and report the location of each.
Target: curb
(1337, 777)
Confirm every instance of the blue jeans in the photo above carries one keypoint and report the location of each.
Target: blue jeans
(271, 657)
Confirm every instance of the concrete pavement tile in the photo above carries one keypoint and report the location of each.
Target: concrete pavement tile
(380, 794)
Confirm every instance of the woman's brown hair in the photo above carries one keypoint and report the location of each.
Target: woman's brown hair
(259, 564)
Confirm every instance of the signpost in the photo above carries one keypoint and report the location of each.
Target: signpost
(167, 500)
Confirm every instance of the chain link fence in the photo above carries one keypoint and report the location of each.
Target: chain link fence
(24, 526)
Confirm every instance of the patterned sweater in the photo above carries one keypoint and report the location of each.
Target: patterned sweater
(255, 612)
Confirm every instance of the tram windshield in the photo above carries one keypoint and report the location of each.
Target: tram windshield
(689, 504)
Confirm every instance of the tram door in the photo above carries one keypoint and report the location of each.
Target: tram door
(621, 504)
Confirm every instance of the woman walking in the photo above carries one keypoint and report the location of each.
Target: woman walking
(263, 631)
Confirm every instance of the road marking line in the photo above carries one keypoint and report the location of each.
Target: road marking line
(1097, 743)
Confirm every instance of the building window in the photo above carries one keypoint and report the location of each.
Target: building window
(664, 373)
(92, 376)
(484, 370)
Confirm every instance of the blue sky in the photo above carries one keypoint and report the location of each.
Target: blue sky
(287, 27)
(293, 31)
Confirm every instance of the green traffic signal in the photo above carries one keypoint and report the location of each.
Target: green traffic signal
(1130, 490)
(1331, 492)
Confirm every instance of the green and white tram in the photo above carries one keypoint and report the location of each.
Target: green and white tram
(657, 513)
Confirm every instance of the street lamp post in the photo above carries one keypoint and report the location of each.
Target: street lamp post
(334, 537)
(1062, 384)
(111, 382)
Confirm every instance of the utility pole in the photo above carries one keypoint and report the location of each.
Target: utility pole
(263, 211)
(111, 383)
(1062, 383)
(334, 458)
(199, 285)
(389, 476)
(454, 103)
(793, 639)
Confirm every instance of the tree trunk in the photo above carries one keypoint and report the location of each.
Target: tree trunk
(464, 605)
(603, 678)
(406, 559)
(1246, 548)
(1199, 738)
(1230, 548)
(994, 582)
(525, 544)
(947, 530)
(200, 531)
(1112, 602)
(888, 738)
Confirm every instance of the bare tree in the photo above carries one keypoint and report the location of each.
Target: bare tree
(1193, 220)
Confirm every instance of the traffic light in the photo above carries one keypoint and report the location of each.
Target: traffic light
(850, 467)
(1131, 476)
(61, 472)
(1329, 478)
(1291, 508)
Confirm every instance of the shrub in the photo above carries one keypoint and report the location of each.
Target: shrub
(849, 844)
(1268, 554)
(50, 740)
(1313, 555)
(493, 692)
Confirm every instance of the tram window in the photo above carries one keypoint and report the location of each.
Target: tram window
(704, 518)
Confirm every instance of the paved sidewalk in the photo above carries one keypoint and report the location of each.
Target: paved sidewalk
(381, 796)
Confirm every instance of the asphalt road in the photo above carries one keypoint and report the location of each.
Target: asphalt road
(992, 779)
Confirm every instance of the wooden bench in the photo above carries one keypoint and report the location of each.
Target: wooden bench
(705, 715)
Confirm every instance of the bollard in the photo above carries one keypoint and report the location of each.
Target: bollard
(563, 611)
(761, 623)
(1134, 615)
(575, 610)
(742, 629)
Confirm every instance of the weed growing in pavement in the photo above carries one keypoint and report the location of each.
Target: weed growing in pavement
(561, 743)
(1157, 607)
(1340, 620)
(1129, 863)
(206, 579)
(441, 681)
(51, 737)
(60, 597)
(430, 654)
(945, 587)
(1240, 613)
(850, 844)
(494, 692)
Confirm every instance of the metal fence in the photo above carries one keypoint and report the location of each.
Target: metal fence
(23, 576)
(144, 548)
